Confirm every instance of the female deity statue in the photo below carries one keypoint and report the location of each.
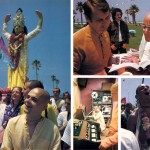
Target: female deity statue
(17, 47)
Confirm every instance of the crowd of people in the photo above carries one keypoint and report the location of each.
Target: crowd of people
(30, 114)
(135, 121)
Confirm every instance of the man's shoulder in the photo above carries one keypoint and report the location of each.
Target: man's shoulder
(80, 33)
(16, 121)
(48, 123)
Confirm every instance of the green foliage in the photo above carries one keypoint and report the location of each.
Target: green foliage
(134, 40)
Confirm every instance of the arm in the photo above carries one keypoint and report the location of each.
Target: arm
(146, 53)
(109, 141)
(131, 123)
(7, 141)
(5, 31)
(57, 140)
(38, 28)
(78, 58)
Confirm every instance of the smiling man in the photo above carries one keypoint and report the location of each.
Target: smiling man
(139, 120)
(31, 130)
(144, 48)
(92, 44)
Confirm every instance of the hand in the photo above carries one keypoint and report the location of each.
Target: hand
(113, 47)
(124, 46)
(7, 18)
(65, 124)
(39, 14)
(100, 146)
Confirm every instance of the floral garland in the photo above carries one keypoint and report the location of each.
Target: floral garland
(15, 47)
(146, 124)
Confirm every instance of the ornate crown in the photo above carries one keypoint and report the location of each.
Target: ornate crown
(19, 18)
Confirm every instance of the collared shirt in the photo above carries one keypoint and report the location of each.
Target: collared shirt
(45, 137)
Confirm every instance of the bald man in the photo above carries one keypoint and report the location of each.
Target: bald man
(31, 130)
(144, 48)
(139, 122)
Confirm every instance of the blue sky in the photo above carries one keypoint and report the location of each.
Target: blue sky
(51, 47)
(143, 5)
(128, 87)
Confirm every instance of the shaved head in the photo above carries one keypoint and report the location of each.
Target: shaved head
(146, 27)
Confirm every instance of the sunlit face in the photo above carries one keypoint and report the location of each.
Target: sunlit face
(26, 89)
(56, 92)
(146, 28)
(16, 95)
(18, 29)
(143, 95)
(100, 21)
(34, 104)
(118, 16)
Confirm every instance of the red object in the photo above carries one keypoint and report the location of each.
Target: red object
(5, 91)
(123, 100)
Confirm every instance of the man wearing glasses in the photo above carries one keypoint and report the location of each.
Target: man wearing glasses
(31, 130)
(144, 49)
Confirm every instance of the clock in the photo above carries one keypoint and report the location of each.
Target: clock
(94, 94)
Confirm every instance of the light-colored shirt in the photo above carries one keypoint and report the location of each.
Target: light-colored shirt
(2, 111)
(128, 140)
(46, 135)
(67, 134)
(60, 103)
(98, 117)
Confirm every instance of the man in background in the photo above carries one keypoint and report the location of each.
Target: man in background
(119, 33)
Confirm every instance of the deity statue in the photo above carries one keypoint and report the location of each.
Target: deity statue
(17, 46)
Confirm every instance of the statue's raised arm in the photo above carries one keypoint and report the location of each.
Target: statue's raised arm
(39, 14)
(7, 18)
(17, 46)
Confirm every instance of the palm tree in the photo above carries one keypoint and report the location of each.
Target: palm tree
(111, 9)
(36, 64)
(53, 77)
(132, 11)
(79, 7)
(57, 82)
(74, 13)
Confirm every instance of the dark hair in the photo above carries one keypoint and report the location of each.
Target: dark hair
(114, 11)
(7, 98)
(20, 90)
(57, 89)
(66, 93)
(19, 9)
(128, 104)
(101, 5)
(35, 84)
(25, 30)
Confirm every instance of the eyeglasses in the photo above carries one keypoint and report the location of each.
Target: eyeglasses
(146, 27)
(32, 97)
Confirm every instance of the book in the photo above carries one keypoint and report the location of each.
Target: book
(136, 66)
